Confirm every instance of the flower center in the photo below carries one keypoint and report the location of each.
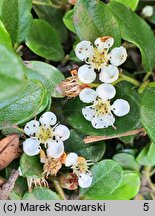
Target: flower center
(99, 58)
(44, 134)
(102, 107)
(81, 166)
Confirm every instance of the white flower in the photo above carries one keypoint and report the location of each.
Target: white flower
(99, 59)
(47, 132)
(100, 113)
(80, 167)
(147, 11)
(85, 180)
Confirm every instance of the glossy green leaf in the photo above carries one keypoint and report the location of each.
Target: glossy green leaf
(93, 19)
(93, 152)
(147, 112)
(11, 73)
(4, 36)
(52, 15)
(129, 3)
(126, 161)
(147, 155)
(128, 188)
(17, 18)
(107, 176)
(44, 41)
(31, 166)
(130, 26)
(41, 194)
(131, 121)
(68, 20)
(50, 76)
(32, 100)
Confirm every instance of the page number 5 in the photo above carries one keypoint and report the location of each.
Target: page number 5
(146, 206)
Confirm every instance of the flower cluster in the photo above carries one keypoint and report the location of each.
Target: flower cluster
(80, 168)
(46, 139)
(101, 64)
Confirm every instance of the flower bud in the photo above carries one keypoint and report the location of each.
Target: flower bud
(147, 11)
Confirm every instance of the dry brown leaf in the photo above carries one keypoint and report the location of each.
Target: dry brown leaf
(9, 148)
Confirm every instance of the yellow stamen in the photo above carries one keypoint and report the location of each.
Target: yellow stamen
(44, 134)
(102, 107)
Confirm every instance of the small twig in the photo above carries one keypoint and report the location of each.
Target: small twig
(6, 189)
(91, 139)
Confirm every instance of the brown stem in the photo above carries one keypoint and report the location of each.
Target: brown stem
(6, 189)
(90, 139)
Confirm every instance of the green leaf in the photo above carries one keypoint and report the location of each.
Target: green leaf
(147, 112)
(50, 76)
(93, 19)
(19, 189)
(93, 152)
(128, 188)
(54, 16)
(11, 73)
(31, 166)
(17, 18)
(131, 25)
(129, 3)
(32, 100)
(147, 155)
(68, 20)
(44, 41)
(126, 161)
(41, 194)
(4, 36)
(107, 176)
(131, 121)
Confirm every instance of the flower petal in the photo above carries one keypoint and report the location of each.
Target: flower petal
(120, 107)
(62, 132)
(48, 118)
(88, 112)
(87, 95)
(71, 159)
(117, 56)
(106, 91)
(31, 147)
(31, 127)
(86, 74)
(84, 50)
(103, 121)
(85, 180)
(55, 149)
(109, 74)
(103, 43)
